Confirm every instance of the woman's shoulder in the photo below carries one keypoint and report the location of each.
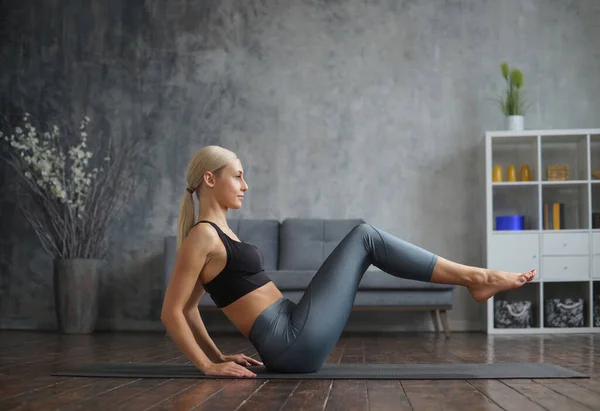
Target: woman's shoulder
(202, 235)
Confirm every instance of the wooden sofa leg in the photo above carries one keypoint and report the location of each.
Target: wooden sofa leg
(434, 318)
(444, 317)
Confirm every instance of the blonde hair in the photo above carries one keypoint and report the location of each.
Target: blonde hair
(208, 158)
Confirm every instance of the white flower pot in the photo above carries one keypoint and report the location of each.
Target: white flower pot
(515, 123)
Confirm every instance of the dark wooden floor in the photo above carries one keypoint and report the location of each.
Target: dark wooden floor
(27, 359)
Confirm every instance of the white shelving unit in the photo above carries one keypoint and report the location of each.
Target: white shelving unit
(567, 260)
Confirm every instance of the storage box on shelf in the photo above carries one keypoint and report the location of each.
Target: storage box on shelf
(566, 304)
(547, 223)
(518, 309)
(558, 173)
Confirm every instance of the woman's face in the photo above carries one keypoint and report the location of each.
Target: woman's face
(230, 186)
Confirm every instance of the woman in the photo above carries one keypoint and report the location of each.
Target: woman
(289, 337)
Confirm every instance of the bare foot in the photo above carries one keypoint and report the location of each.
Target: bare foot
(493, 281)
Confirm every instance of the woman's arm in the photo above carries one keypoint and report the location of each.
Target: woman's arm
(192, 315)
(189, 261)
(201, 335)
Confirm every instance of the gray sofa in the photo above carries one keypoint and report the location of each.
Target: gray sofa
(293, 250)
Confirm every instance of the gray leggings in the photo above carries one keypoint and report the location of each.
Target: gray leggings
(292, 337)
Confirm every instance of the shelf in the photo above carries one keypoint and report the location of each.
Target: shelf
(558, 293)
(502, 134)
(544, 183)
(569, 150)
(567, 260)
(595, 214)
(596, 304)
(547, 302)
(574, 200)
(542, 330)
(564, 183)
(519, 200)
(594, 154)
(519, 299)
(516, 151)
(518, 232)
(515, 183)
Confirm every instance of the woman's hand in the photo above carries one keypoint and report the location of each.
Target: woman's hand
(241, 359)
(228, 368)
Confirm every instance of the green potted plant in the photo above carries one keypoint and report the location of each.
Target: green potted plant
(512, 102)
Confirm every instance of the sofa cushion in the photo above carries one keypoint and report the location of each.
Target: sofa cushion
(374, 279)
(305, 243)
(263, 233)
(393, 298)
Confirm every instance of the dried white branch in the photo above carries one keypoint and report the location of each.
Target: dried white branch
(69, 206)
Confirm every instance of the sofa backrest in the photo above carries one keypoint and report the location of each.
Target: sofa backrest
(305, 243)
(263, 233)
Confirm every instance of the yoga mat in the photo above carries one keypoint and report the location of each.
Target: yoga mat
(337, 371)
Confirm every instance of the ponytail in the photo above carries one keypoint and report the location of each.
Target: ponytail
(187, 217)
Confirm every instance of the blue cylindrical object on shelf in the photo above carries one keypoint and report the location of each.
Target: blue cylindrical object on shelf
(510, 222)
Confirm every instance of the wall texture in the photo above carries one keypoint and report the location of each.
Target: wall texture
(370, 108)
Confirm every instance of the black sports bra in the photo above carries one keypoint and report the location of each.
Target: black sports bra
(242, 274)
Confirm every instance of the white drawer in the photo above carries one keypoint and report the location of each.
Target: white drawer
(565, 268)
(514, 252)
(565, 244)
(596, 266)
(595, 243)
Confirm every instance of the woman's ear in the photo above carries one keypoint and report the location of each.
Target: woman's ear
(209, 179)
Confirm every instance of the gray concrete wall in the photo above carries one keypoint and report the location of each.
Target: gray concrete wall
(337, 108)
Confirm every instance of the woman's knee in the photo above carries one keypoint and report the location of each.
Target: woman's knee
(367, 233)
(364, 228)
